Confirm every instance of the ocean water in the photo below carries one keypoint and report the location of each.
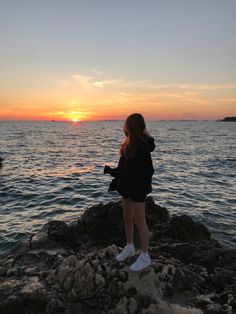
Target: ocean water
(54, 170)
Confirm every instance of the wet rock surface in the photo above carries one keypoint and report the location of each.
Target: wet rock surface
(72, 268)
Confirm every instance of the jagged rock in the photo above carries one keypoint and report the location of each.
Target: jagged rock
(184, 229)
(111, 250)
(20, 296)
(53, 234)
(103, 224)
(155, 213)
(31, 271)
(214, 309)
(181, 251)
(12, 272)
(165, 308)
(2, 271)
(70, 269)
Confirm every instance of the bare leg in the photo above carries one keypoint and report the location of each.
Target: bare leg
(128, 216)
(140, 222)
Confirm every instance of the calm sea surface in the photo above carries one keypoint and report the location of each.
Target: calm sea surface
(55, 171)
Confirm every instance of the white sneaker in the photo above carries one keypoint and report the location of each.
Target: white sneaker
(141, 263)
(126, 252)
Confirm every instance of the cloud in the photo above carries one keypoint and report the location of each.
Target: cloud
(207, 86)
(200, 101)
(102, 84)
(97, 72)
(191, 93)
(233, 100)
(82, 79)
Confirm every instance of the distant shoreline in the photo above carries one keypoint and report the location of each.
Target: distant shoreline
(229, 119)
(113, 120)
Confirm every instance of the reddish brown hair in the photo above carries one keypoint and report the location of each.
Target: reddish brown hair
(136, 132)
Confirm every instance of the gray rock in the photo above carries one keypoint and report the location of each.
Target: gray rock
(31, 271)
(184, 229)
(71, 269)
(12, 272)
(2, 271)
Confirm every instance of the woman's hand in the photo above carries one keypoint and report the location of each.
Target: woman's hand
(112, 171)
(107, 169)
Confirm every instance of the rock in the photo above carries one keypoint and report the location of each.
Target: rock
(229, 119)
(202, 301)
(181, 251)
(99, 280)
(155, 213)
(65, 272)
(122, 306)
(184, 229)
(12, 272)
(2, 271)
(214, 309)
(133, 306)
(146, 283)
(34, 290)
(70, 269)
(55, 306)
(111, 250)
(103, 224)
(23, 297)
(31, 271)
(165, 308)
(53, 234)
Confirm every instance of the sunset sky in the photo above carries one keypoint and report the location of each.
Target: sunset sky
(104, 59)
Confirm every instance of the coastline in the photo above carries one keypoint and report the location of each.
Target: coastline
(70, 268)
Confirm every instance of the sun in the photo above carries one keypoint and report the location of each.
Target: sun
(75, 120)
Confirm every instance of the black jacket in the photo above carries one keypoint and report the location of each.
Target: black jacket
(134, 173)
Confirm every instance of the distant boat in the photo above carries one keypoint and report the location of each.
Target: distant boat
(53, 120)
(229, 119)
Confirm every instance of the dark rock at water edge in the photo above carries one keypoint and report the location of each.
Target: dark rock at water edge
(1, 160)
(229, 119)
(72, 268)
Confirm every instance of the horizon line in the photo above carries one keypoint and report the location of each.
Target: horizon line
(104, 120)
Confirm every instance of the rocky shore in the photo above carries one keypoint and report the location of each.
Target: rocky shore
(229, 119)
(71, 268)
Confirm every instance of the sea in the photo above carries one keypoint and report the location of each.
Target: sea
(54, 170)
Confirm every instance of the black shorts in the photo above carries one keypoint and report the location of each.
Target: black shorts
(135, 197)
(137, 192)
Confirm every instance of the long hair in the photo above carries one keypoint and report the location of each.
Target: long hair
(136, 132)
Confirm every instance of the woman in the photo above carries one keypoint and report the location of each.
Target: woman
(133, 178)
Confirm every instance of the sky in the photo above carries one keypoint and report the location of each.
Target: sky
(104, 59)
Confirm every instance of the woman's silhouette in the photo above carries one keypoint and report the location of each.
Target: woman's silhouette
(133, 178)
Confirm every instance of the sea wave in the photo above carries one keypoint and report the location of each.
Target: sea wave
(55, 171)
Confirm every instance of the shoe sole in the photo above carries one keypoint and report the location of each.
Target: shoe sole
(140, 269)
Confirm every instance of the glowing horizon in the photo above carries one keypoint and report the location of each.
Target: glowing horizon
(90, 98)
